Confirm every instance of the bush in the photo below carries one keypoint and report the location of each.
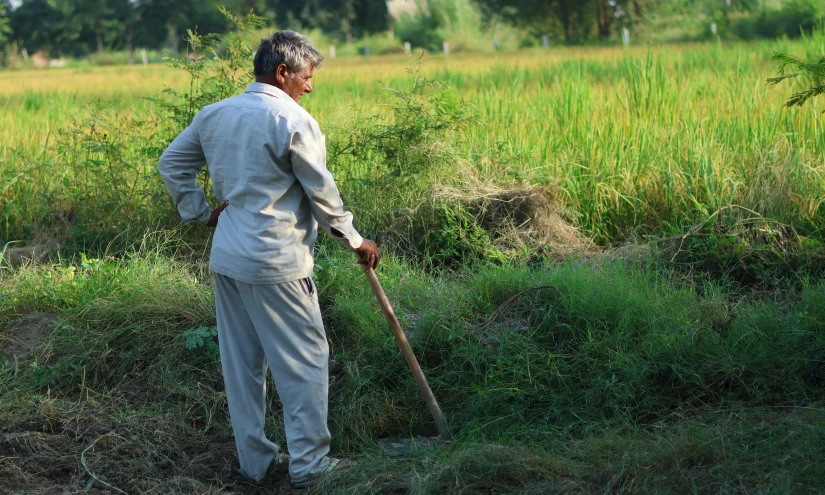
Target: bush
(793, 19)
(384, 164)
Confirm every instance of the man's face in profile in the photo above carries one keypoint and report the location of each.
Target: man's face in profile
(295, 84)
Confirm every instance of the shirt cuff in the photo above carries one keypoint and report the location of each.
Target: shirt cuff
(189, 218)
(205, 216)
(351, 241)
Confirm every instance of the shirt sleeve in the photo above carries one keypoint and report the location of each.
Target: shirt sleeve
(308, 155)
(179, 166)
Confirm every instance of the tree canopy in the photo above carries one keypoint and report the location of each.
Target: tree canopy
(82, 27)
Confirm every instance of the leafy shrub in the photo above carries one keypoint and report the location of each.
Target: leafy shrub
(793, 19)
(455, 238)
(385, 163)
(202, 341)
(110, 186)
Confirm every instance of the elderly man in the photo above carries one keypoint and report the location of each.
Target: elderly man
(267, 160)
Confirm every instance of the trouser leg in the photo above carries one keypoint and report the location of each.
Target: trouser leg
(288, 322)
(243, 362)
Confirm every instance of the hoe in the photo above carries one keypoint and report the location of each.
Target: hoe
(401, 446)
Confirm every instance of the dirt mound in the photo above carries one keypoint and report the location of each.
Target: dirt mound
(15, 254)
(519, 218)
(19, 338)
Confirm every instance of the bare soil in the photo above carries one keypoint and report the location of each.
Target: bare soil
(35, 250)
(16, 256)
(39, 456)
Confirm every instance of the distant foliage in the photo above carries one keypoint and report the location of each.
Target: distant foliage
(5, 30)
(792, 18)
(459, 22)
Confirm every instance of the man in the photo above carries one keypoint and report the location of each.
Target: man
(267, 160)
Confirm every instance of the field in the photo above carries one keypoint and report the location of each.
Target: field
(609, 263)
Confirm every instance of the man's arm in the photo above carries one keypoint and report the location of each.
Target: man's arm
(179, 166)
(308, 155)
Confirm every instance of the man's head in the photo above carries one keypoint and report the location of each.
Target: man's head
(287, 60)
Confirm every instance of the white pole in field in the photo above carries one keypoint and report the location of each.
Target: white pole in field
(545, 41)
(366, 50)
(331, 51)
(446, 47)
(626, 36)
(143, 57)
(713, 28)
(25, 54)
(407, 47)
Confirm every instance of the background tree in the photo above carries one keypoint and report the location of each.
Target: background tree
(345, 18)
(95, 18)
(44, 25)
(80, 27)
(5, 29)
(572, 21)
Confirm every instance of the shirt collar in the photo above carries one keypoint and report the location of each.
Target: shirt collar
(268, 89)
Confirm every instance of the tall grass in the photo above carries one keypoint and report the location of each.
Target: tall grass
(638, 142)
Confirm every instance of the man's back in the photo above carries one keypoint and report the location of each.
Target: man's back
(267, 158)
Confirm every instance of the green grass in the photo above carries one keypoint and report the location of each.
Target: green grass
(613, 377)
(637, 142)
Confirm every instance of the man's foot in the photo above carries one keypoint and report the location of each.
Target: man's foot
(279, 463)
(312, 479)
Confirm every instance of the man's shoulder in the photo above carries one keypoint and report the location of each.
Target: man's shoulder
(289, 112)
(257, 100)
(237, 100)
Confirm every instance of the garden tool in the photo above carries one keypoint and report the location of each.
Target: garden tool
(399, 446)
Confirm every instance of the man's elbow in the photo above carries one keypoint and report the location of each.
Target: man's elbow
(164, 166)
(170, 169)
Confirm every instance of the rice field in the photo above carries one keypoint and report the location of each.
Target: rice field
(637, 142)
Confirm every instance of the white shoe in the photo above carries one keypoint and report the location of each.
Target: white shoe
(312, 479)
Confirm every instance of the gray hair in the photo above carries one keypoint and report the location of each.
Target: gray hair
(285, 47)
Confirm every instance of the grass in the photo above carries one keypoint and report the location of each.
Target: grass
(617, 378)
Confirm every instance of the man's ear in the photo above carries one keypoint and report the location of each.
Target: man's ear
(282, 72)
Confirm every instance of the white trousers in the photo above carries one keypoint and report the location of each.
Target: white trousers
(279, 325)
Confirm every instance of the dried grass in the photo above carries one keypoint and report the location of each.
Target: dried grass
(518, 218)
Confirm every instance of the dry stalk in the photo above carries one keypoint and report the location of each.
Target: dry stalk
(86, 468)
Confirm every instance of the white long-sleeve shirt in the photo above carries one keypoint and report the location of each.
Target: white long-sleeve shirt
(267, 157)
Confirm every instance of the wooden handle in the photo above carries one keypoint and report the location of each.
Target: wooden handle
(406, 350)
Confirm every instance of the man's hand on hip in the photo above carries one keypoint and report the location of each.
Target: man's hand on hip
(213, 218)
(368, 254)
